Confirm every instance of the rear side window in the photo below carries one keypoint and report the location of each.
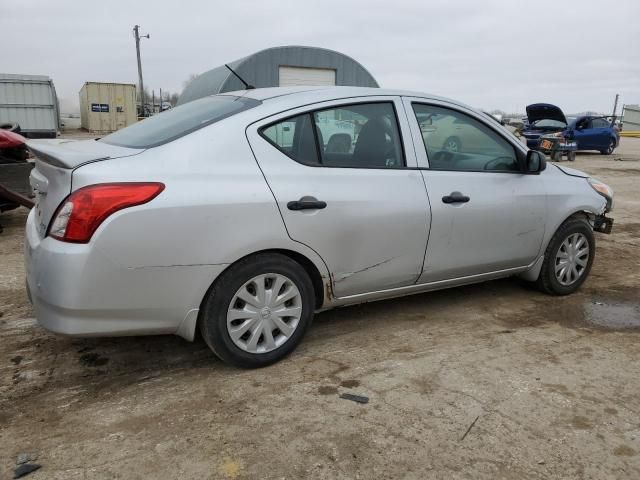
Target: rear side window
(357, 136)
(294, 137)
(177, 122)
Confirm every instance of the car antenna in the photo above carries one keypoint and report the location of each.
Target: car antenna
(246, 85)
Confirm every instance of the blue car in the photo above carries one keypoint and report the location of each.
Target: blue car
(589, 132)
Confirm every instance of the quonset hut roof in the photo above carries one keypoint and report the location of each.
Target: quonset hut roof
(261, 69)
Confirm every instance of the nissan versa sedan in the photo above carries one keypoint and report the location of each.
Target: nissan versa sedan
(242, 214)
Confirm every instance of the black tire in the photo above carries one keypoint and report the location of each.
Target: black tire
(556, 157)
(571, 156)
(547, 281)
(452, 144)
(213, 312)
(610, 149)
(12, 127)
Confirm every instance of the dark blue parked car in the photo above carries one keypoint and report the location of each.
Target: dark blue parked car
(589, 132)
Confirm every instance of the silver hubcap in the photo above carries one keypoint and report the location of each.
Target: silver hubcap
(264, 313)
(572, 259)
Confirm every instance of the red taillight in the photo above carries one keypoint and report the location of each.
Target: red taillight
(78, 217)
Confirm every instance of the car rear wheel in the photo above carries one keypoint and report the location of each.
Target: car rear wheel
(610, 148)
(568, 258)
(258, 310)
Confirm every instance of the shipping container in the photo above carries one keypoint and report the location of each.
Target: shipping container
(31, 102)
(631, 118)
(107, 107)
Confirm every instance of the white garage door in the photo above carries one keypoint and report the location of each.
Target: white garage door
(290, 76)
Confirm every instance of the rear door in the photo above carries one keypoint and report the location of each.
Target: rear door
(339, 173)
(602, 133)
(487, 216)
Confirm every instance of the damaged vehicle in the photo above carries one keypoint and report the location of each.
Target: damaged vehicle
(242, 214)
(587, 132)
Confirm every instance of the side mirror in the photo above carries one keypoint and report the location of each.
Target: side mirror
(536, 162)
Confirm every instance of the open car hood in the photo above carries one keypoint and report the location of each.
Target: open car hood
(545, 111)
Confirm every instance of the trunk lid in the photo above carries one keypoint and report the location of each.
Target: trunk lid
(56, 160)
(544, 111)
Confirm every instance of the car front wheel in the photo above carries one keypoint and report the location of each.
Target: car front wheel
(258, 310)
(568, 258)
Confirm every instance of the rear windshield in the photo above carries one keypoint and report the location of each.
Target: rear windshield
(177, 122)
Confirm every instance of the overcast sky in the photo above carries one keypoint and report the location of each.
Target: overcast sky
(490, 54)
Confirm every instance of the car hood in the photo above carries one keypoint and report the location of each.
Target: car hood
(572, 171)
(544, 111)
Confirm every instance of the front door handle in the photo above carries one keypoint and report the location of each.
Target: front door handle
(455, 197)
(307, 203)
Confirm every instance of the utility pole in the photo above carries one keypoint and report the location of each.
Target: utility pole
(615, 107)
(136, 34)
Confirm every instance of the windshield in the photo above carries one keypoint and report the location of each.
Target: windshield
(548, 123)
(177, 122)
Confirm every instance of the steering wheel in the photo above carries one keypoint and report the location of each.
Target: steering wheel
(500, 163)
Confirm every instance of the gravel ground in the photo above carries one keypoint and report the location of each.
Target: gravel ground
(489, 381)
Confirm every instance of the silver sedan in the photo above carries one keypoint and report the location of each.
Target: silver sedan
(243, 214)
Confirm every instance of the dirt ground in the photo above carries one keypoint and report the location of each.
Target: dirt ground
(491, 381)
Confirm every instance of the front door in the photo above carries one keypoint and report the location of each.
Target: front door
(339, 175)
(584, 135)
(487, 216)
(602, 133)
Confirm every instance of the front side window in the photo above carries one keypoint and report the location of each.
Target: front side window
(599, 123)
(584, 123)
(359, 136)
(456, 141)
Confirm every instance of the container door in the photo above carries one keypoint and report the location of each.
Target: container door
(119, 106)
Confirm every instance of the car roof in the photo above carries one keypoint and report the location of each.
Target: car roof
(290, 97)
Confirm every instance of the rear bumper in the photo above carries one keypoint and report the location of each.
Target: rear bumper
(76, 290)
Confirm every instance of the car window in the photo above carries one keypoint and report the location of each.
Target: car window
(362, 135)
(584, 123)
(548, 123)
(599, 123)
(456, 141)
(177, 122)
(294, 137)
(357, 136)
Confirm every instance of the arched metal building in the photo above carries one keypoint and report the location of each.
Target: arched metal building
(281, 66)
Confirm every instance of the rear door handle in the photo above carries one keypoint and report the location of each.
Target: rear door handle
(455, 197)
(307, 203)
